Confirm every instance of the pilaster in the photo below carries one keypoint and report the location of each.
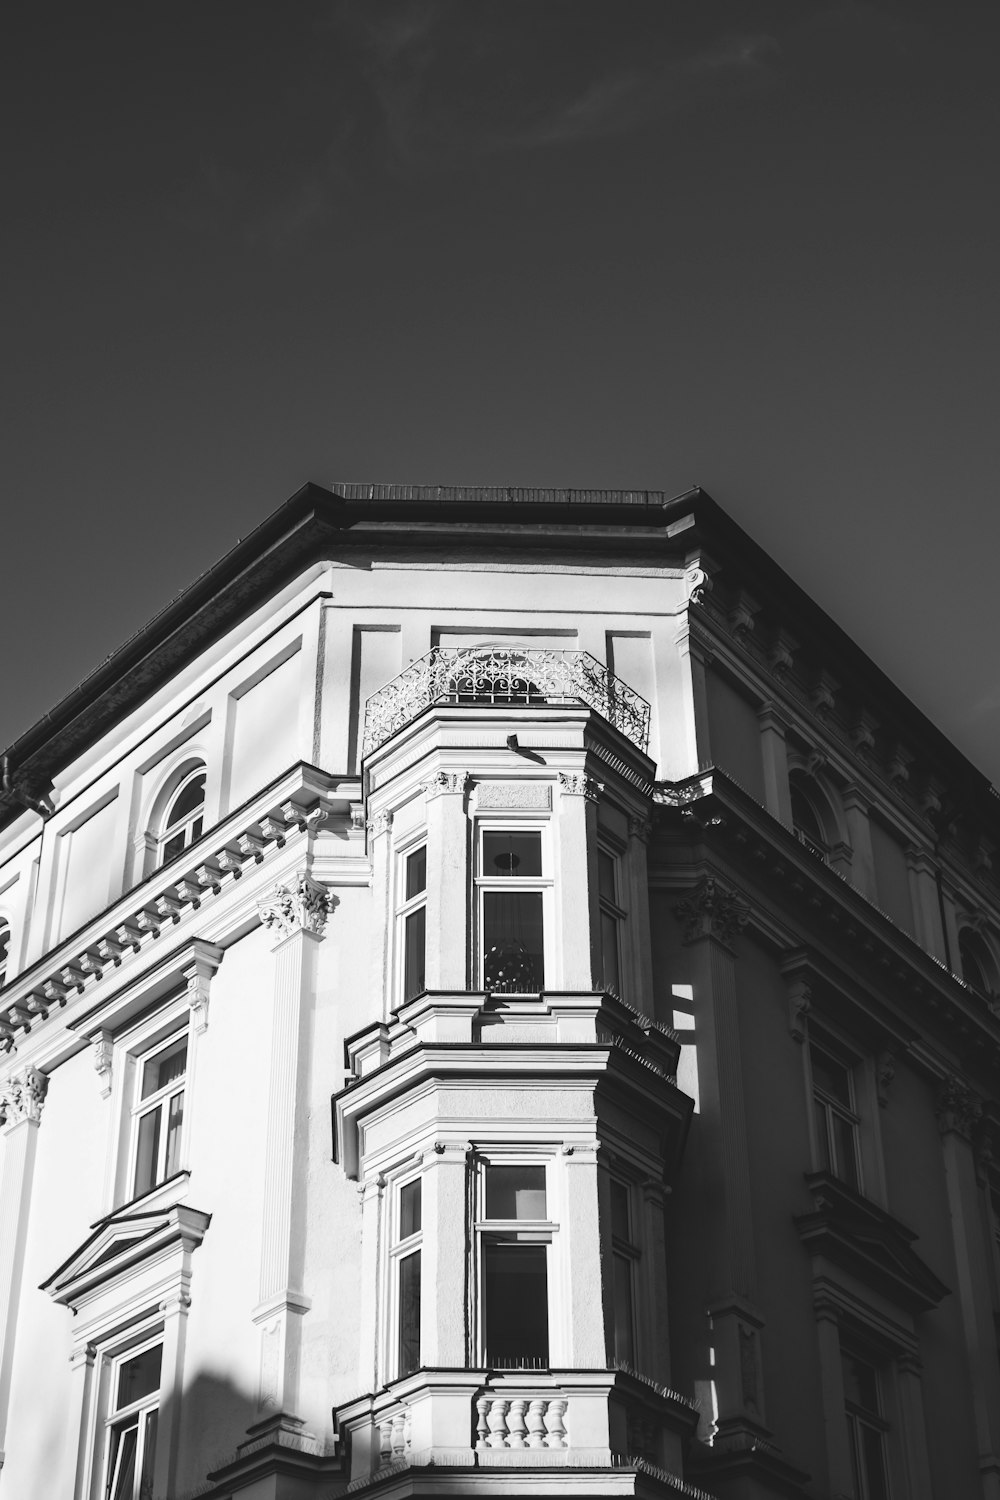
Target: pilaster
(174, 1309)
(443, 1292)
(859, 831)
(584, 1323)
(640, 828)
(21, 1102)
(694, 693)
(296, 913)
(576, 886)
(447, 885)
(913, 1420)
(958, 1114)
(926, 905)
(774, 755)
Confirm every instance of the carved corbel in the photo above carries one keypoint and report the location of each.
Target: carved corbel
(102, 1052)
(378, 824)
(957, 1108)
(573, 784)
(743, 614)
(205, 959)
(441, 782)
(885, 1072)
(899, 766)
(697, 585)
(781, 654)
(863, 733)
(640, 826)
(823, 694)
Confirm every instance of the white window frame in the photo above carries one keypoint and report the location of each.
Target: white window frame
(405, 907)
(115, 1417)
(521, 1231)
(399, 1250)
(505, 822)
(158, 1102)
(860, 1419)
(630, 1251)
(191, 826)
(131, 1049)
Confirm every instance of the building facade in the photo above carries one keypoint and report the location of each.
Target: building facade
(500, 996)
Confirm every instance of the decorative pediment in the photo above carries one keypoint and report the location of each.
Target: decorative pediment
(863, 1239)
(121, 1244)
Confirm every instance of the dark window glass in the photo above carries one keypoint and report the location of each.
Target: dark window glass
(187, 801)
(147, 1153)
(515, 1193)
(513, 948)
(416, 873)
(414, 952)
(4, 949)
(164, 1067)
(516, 1305)
(973, 970)
(409, 1210)
(121, 1471)
(512, 854)
(409, 1313)
(805, 820)
(831, 1076)
(609, 950)
(606, 876)
(624, 1340)
(139, 1376)
(619, 1211)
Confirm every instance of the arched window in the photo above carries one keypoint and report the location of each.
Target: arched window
(806, 820)
(4, 950)
(977, 966)
(184, 817)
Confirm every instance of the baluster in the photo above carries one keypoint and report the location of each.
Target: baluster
(385, 1442)
(398, 1436)
(516, 1424)
(482, 1406)
(536, 1423)
(554, 1425)
(496, 1421)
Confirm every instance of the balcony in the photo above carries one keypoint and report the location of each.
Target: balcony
(504, 677)
(481, 1419)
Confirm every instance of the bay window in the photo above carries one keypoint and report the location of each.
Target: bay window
(511, 890)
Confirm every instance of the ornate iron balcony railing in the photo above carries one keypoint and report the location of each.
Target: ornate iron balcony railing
(504, 675)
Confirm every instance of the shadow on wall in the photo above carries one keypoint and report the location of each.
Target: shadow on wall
(214, 1418)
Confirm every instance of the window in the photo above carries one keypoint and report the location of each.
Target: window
(4, 950)
(412, 922)
(866, 1428)
(131, 1426)
(511, 922)
(976, 963)
(612, 917)
(805, 819)
(184, 817)
(406, 1257)
(514, 1235)
(836, 1119)
(624, 1255)
(158, 1114)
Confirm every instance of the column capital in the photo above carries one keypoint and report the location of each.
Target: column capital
(957, 1108)
(712, 910)
(299, 904)
(454, 782)
(577, 784)
(22, 1097)
(640, 826)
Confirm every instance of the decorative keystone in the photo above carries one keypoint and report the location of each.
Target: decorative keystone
(22, 1097)
(712, 911)
(301, 905)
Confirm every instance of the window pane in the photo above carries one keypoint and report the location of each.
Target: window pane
(409, 1210)
(606, 876)
(830, 1076)
(846, 1148)
(619, 1211)
(873, 1463)
(148, 1457)
(416, 873)
(175, 1119)
(139, 1377)
(121, 1469)
(409, 1314)
(515, 1193)
(188, 801)
(147, 1151)
(512, 941)
(517, 1306)
(860, 1384)
(414, 950)
(509, 853)
(4, 949)
(609, 950)
(164, 1067)
(823, 1135)
(624, 1344)
(173, 847)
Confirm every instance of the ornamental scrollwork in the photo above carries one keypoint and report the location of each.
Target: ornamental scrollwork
(445, 781)
(22, 1097)
(301, 905)
(712, 911)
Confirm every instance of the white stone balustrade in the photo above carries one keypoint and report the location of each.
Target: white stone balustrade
(524, 1422)
(395, 1437)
